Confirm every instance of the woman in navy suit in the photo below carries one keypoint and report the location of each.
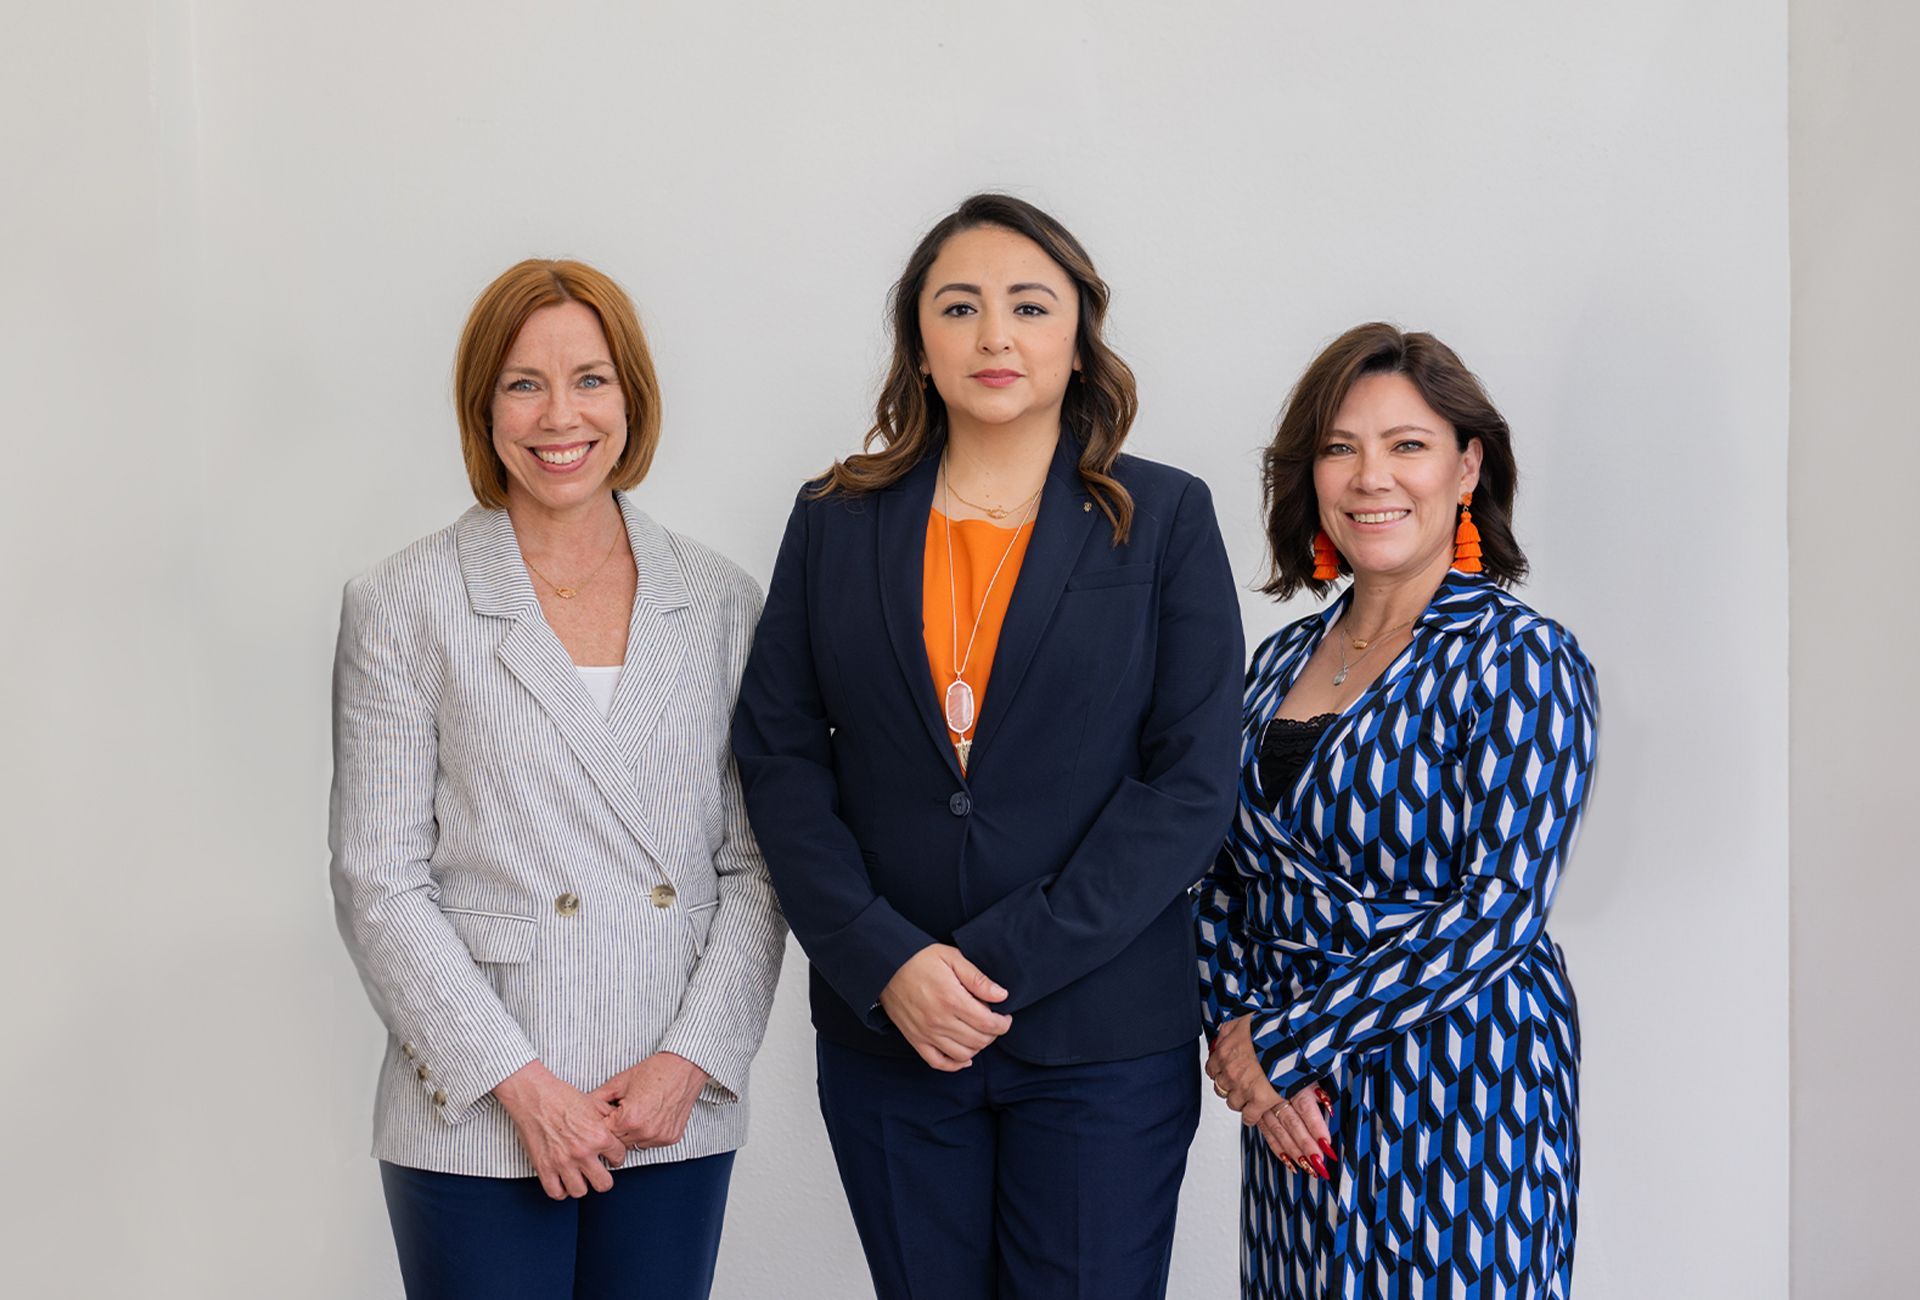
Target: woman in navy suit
(988, 738)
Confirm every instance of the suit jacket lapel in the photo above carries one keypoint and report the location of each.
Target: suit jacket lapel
(1059, 535)
(656, 636)
(498, 586)
(901, 525)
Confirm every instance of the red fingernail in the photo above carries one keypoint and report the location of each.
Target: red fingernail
(1321, 1093)
(1318, 1167)
(1333, 1156)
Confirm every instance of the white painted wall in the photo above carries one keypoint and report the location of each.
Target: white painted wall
(1856, 712)
(234, 286)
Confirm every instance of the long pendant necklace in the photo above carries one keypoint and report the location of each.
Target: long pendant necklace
(1364, 647)
(961, 714)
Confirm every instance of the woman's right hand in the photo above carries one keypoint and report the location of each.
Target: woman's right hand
(1296, 1131)
(938, 1000)
(568, 1135)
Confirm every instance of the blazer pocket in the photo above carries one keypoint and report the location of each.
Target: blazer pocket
(497, 937)
(1120, 575)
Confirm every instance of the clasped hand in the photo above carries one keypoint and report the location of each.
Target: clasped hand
(1295, 1129)
(576, 1138)
(940, 1002)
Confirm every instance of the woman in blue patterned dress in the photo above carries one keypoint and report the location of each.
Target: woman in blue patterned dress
(1390, 1019)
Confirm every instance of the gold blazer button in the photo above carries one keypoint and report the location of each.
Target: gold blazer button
(567, 904)
(663, 895)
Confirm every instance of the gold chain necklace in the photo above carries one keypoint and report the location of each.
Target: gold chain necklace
(568, 593)
(1364, 647)
(991, 512)
(959, 700)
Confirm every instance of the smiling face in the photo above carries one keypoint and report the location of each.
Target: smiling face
(559, 417)
(998, 324)
(1389, 476)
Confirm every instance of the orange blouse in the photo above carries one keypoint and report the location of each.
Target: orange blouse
(978, 545)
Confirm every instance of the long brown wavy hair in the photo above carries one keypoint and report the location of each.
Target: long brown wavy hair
(910, 419)
(1445, 384)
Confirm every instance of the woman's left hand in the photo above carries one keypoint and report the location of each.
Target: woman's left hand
(653, 1100)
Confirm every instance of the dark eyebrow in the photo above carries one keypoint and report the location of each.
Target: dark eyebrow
(1387, 433)
(974, 289)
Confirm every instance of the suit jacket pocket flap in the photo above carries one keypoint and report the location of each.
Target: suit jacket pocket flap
(494, 936)
(1120, 575)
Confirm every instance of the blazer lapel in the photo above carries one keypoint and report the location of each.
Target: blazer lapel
(656, 636)
(1060, 533)
(498, 586)
(901, 524)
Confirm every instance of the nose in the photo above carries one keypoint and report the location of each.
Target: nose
(1374, 473)
(560, 412)
(995, 329)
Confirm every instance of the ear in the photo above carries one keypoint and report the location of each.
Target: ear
(1470, 466)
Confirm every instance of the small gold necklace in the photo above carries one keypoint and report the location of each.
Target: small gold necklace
(1339, 678)
(991, 512)
(568, 593)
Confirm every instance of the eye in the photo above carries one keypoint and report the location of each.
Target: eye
(1336, 449)
(519, 386)
(957, 309)
(594, 381)
(1030, 309)
(1410, 444)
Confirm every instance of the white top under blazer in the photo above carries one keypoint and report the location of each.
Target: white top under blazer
(518, 876)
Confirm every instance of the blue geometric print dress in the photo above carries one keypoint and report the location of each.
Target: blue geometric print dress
(1385, 925)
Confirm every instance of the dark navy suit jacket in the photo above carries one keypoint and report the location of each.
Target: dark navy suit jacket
(1100, 785)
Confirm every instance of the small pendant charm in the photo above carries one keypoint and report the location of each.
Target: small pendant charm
(565, 593)
(1340, 677)
(960, 707)
(996, 512)
(965, 747)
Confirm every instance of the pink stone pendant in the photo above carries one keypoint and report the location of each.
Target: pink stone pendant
(959, 706)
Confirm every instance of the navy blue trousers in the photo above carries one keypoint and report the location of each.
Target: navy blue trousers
(1008, 1179)
(653, 1236)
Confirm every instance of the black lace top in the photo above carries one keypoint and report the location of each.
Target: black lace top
(1285, 746)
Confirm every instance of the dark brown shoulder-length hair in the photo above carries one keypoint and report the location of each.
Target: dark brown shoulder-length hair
(1286, 470)
(495, 321)
(910, 419)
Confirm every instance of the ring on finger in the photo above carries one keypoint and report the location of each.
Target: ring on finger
(1218, 1090)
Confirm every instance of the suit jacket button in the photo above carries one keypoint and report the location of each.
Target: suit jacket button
(960, 804)
(663, 895)
(567, 904)
(439, 1096)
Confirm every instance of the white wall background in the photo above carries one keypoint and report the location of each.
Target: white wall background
(1855, 461)
(239, 241)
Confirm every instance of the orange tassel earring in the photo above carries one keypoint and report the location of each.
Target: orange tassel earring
(1326, 560)
(1466, 539)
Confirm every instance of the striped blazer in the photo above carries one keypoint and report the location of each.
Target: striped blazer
(518, 877)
